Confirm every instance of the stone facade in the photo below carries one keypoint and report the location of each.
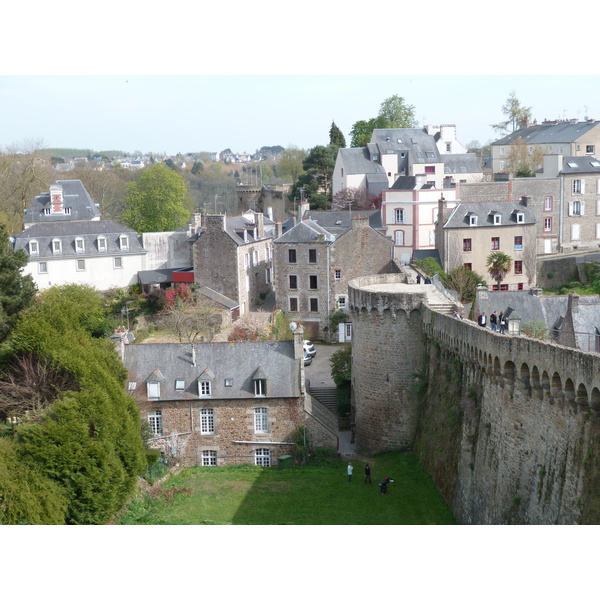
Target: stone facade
(507, 426)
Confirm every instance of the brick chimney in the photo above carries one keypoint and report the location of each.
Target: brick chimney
(360, 221)
(278, 229)
(214, 222)
(56, 198)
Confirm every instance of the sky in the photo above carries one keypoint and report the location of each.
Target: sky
(192, 113)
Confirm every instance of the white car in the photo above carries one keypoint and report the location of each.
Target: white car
(309, 348)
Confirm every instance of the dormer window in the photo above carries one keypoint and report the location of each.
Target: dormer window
(472, 219)
(520, 216)
(153, 388)
(101, 244)
(375, 156)
(180, 384)
(124, 242)
(56, 246)
(497, 218)
(260, 382)
(34, 247)
(79, 245)
(205, 384)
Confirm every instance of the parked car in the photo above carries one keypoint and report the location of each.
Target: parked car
(307, 359)
(309, 348)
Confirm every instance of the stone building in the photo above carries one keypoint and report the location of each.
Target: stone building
(468, 233)
(233, 256)
(220, 404)
(313, 267)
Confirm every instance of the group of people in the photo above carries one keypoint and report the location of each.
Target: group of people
(498, 322)
(383, 485)
(426, 280)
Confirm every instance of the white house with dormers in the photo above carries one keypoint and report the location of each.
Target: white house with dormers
(103, 254)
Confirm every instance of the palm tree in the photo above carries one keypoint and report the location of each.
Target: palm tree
(498, 264)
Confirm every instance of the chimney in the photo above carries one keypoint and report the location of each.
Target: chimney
(302, 209)
(260, 225)
(214, 222)
(299, 343)
(442, 205)
(278, 229)
(56, 198)
(573, 303)
(193, 355)
(360, 221)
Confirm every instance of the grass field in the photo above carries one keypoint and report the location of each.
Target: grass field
(312, 495)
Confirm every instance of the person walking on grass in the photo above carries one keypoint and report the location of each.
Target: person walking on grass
(367, 473)
(350, 468)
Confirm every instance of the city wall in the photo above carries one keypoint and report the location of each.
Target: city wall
(508, 427)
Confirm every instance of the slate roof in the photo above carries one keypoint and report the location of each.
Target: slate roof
(75, 197)
(580, 164)
(458, 218)
(415, 141)
(336, 221)
(459, 164)
(551, 133)
(218, 297)
(239, 362)
(236, 226)
(358, 160)
(90, 231)
(307, 232)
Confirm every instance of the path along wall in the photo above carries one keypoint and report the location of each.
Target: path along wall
(508, 427)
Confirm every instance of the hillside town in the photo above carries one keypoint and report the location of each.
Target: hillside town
(469, 239)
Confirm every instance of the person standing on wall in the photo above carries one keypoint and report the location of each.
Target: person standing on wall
(494, 321)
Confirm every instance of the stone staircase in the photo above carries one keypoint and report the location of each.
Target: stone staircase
(326, 395)
(445, 308)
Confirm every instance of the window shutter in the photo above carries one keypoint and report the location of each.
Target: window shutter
(583, 186)
(570, 209)
(582, 208)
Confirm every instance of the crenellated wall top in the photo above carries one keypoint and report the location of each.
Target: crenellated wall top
(385, 292)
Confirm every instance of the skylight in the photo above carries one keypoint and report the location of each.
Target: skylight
(594, 163)
(572, 165)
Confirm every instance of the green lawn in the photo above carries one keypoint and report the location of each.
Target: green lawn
(313, 495)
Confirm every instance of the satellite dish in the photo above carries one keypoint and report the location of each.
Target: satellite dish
(293, 325)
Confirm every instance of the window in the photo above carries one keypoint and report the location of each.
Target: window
(56, 246)
(472, 219)
(337, 274)
(205, 388)
(262, 457)
(518, 242)
(229, 383)
(501, 151)
(131, 385)
(101, 244)
(518, 267)
(468, 266)
(576, 208)
(155, 422)
(399, 215)
(430, 154)
(312, 255)
(268, 275)
(180, 384)
(34, 247)
(47, 211)
(341, 302)
(590, 149)
(313, 282)
(42, 267)
(255, 258)
(67, 211)
(430, 170)
(153, 388)
(209, 458)
(313, 304)
(520, 286)
(502, 169)
(399, 237)
(495, 243)
(261, 423)
(79, 245)
(520, 217)
(578, 187)
(124, 242)
(467, 245)
(293, 304)
(548, 203)
(504, 287)
(246, 261)
(267, 254)
(547, 223)
(81, 265)
(207, 421)
(118, 262)
(575, 231)
(598, 231)
(260, 387)
(448, 147)
(293, 279)
(497, 218)
(291, 255)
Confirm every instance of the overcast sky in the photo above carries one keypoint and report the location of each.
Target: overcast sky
(173, 114)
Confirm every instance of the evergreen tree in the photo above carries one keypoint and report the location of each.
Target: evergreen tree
(17, 291)
(336, 137)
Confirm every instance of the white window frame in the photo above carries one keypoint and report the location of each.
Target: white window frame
(399, 237)
(209, 458)
(520, 217)
(153, 390)
(43, 267)
(255, 258)
(497, 218)
(268, 276)
(337, 274)
(261, 420)
(56, 246)
(548, 220)
(207, 421)
(342, 301)
(34, 247)
(472, 220)
(502, 165)
(577, 208)
(262, 457)
(79, 245)
(118, 262)
(124, 242)
(180, 384)
(260, 388)
(205, 388)
(575, 232)
(598, 231)
(80, 264)
(549, 203)
(102, 245)
(399, 216)
(156, 423)
(578, 187)
(246, 261)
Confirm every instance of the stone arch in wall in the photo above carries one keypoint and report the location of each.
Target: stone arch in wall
(595, 399)
(535, 377)
(545, 381)
(569, 390)
(556, 385)
(582, 396)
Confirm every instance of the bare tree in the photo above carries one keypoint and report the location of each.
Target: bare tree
(31, 384)
(193, 320)
(356, 199)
